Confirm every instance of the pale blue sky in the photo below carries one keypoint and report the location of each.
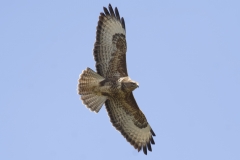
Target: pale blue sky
(184, 54)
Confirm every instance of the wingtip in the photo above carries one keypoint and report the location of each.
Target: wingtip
(145, 150)
(152, 141)
(106, 11)
(114, 13)
(117, 13)
(111, 10)
(123, 23)
(153, 132)
(139, 148)
(149, 146)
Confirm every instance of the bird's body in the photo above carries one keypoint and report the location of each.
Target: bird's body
(111, 85)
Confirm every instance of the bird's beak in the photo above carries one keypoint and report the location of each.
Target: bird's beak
(137, 85)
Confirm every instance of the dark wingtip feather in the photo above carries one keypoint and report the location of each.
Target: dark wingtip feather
(106, 11)
(117, 13)
(152, 141)
(111, 10)
(123, 23)
(145, 150)
(139, 148)
(149, 146)
(153, 132)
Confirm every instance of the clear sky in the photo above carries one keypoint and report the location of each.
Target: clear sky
(184, 54)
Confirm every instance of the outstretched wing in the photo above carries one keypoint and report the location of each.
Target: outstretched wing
(110, 46)
(127, 118)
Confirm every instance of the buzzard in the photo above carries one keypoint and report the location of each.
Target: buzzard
(111, 85)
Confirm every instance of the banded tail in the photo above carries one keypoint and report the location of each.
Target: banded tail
(88, 85)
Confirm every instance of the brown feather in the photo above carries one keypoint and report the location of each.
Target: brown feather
(153, 132)
(139, 148)
(152, 141)
(123, 23)
(149, 146)
(111, 10)
(145, 150)
(117, 14)
(106, 11)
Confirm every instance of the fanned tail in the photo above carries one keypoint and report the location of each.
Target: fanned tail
(88, 85)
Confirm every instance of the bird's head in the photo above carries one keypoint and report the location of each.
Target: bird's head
(128, 84)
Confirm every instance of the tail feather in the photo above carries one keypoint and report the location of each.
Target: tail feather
(87, 88)
(93, 102)
(88, 80)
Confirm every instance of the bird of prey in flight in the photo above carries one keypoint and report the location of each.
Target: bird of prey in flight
(111, 84)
